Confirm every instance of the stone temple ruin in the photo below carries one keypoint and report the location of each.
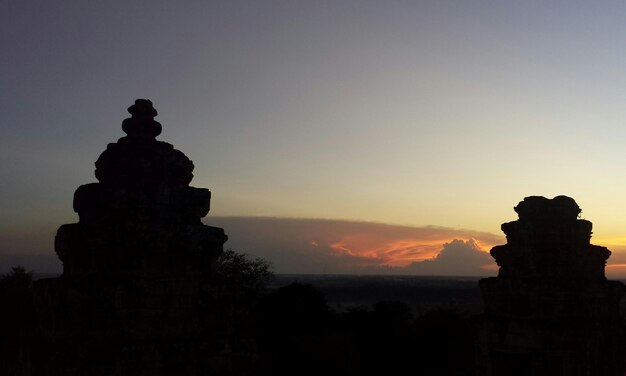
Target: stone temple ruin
(137, 296)
(136, 265)
(550, 310)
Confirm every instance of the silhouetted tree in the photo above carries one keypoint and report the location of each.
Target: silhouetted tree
(293, 330)
(295, 307)
(248, 275)
(237, 285)
(17, 320)
(392, 312)
(382, 337)
(444, 334)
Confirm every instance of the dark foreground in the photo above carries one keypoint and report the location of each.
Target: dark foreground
(420, 293)
(299, 324)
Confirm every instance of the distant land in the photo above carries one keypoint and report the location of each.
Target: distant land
(362, 291)
(421, 293)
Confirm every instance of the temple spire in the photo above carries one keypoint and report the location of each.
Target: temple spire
(550, 310)
(142, 123)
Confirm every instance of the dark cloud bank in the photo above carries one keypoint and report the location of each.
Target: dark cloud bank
(315, 246)
(311, 246)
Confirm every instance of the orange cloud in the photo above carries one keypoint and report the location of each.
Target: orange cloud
(295, 245)
(458, 257)
(399, 252)
(380, 249)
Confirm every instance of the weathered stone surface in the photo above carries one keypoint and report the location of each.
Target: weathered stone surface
(136, 266)
(550, 310)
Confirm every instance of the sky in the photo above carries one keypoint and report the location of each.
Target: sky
(407, 114)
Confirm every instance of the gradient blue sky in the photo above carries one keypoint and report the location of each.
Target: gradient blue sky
(415, 113)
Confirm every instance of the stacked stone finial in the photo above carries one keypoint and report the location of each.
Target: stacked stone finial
(142, 123)
(138, 160)
(550, 310)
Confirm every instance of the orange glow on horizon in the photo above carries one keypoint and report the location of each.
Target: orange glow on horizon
(375, 250)
(617, 244)
(492, 267)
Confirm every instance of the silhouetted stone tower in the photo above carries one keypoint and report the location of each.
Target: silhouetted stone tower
(142, 219)
(137, 263)
(550, 310)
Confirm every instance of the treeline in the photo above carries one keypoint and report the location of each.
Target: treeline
(288, 331)
(299, 333)
(293, 331)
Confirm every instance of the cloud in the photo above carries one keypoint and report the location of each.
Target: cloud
(459, 257)
(336, 246)
(323, 246)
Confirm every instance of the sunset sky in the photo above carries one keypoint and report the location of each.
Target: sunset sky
(404, 124)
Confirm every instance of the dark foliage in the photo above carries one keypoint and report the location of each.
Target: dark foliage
(300, 334)
(16, 295)
(445, 333)
(295, 308)
(232, 297)
(17, 319)
(234, 291)
(294, 334)
(235, 271)
(288, 331)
